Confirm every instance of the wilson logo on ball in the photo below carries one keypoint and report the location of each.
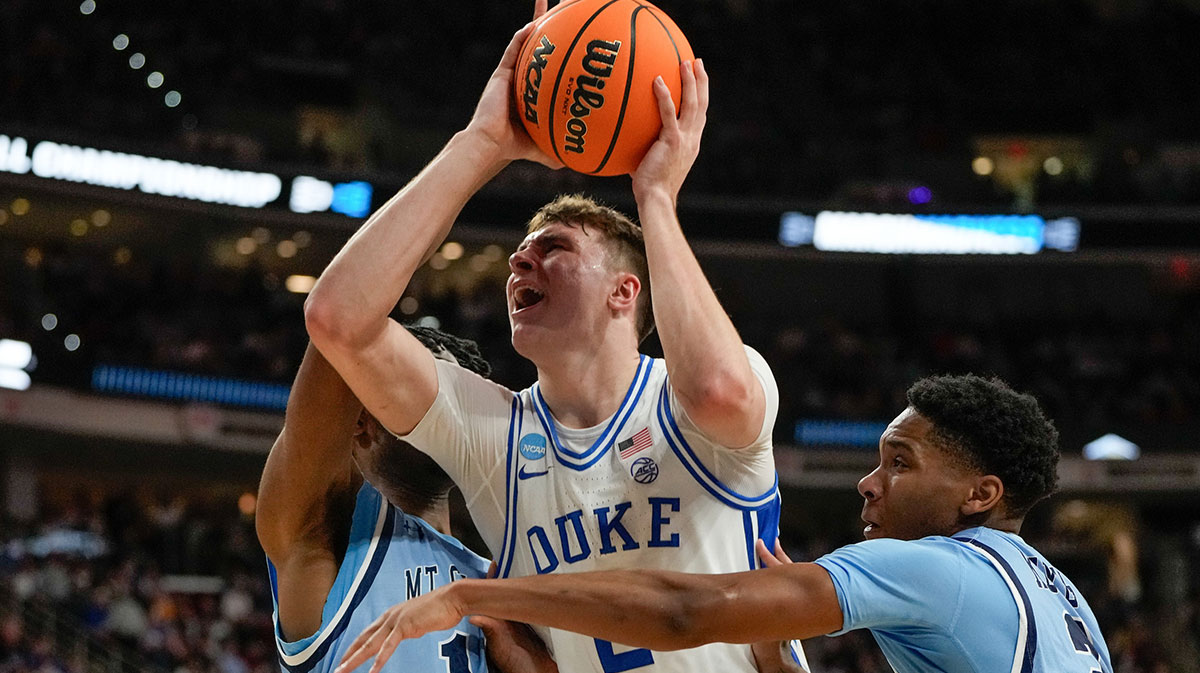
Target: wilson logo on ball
(533, 77)
(598, 63)
(584, 84)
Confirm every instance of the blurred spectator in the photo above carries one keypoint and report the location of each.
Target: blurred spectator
(849, 99)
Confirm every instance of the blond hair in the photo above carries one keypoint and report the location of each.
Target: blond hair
(623, 239)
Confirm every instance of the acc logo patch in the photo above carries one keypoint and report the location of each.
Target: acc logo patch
(644, 470)
(533, 446)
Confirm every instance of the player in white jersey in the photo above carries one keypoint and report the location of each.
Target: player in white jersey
(340, 552)
(643, 489)
(944, 581)
(579, 305)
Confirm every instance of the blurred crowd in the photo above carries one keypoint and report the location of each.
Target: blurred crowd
(851, 100)
(1094, 372)
(121, 584)
(125, 586)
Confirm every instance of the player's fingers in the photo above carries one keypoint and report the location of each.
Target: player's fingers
(353, 658)
(687, 97)
(509, 60)
(768, 560)
(540, 7)
(780, 553)
(490, 626)
(360, 650)
(666, 106)
(701, 87)
(385, 652)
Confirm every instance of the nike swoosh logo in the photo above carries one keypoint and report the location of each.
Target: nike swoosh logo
(522, 474)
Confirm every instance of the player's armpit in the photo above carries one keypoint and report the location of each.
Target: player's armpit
(303, 582)
(311, 463)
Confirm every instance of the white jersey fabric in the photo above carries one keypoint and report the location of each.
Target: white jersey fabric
(643, 489)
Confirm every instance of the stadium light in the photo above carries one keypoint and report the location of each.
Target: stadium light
(15, 357)
(1111, 447)
(15, 354)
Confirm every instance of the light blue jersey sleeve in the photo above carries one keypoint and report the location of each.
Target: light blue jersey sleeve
(965, 604)
(882, 583)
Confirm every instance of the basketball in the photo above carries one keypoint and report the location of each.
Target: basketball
(584, 82)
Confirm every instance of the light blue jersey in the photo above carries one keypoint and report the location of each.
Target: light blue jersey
(983, 601)
(392, 557)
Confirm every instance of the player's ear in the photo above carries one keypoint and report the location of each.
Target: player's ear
(986, 493)
(625, 292)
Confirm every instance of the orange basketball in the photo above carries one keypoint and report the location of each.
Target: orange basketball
(584, 82)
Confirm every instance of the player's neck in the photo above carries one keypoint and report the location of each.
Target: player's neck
(996, 520)
(434, 512)
(583, 388)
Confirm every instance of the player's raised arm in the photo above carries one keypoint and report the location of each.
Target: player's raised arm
(347, 311)
(709, 369)
(307, 484)
(655, 609)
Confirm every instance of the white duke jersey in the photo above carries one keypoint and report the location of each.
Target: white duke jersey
(644, 489)
(392, 556)
(982, 601)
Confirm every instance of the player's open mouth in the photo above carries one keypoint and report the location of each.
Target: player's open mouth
(525, 296)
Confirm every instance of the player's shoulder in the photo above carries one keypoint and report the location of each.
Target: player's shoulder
(414, 530)
(934, 556)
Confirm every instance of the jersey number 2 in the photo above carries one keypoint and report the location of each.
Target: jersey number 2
(612, 662)
(1079, 638)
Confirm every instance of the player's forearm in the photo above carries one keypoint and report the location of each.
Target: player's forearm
(655, 609)
(637, 608)
(708, 366)
(351, 301)
(311, 455)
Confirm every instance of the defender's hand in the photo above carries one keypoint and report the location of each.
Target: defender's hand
(774, 656)
(434, 611)
(513, 647)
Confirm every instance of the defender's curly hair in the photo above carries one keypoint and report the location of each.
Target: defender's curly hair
(403, 468)
(464, 350)
(994, 429)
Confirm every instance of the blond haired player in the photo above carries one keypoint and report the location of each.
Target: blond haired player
(612, 459)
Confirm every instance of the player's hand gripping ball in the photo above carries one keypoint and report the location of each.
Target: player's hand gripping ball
(584, 82)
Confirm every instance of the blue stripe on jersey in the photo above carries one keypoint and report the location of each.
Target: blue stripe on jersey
(750, 525)
(768, 523)
(761, 524)
(1023, 657)
(330, 636)
(508, 543)
(582, 460)
(699, 472)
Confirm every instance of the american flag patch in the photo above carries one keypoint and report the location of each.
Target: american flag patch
(636, 443)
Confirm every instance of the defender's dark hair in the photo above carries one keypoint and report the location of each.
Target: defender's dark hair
(464, 350)
(993, 429)
(402, 467)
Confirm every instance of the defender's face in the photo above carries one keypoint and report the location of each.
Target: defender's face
(558, 288)
(917, 489)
